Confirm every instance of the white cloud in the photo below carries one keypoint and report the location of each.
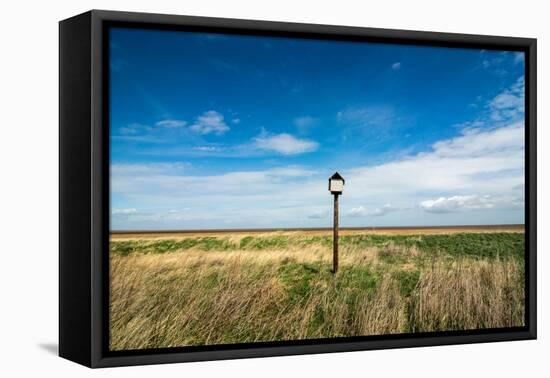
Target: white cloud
(264, 144)
(368, 117)
(165, 182)
(494, 60)
(123, 211)
(171, 123)
(519, 57)
(172, 216)
(320, 214)
(290, 171)
(284, 144)
(479, 161)
(482, 161)
(387, 208)
(486, 162)
(396, 66)
(173, 211)
(476, 142)
(510, 104)
(359, 211)
(362, 211)
(210, 122)
(134, 128)
(487, 179)
(208, 148)
(456, 203)
(236, 121)
(304, 121)
(136, 169)
(265, 198)
(481, 170)
(469, 202)
(506, 100)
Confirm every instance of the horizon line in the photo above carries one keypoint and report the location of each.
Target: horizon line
(273, 229)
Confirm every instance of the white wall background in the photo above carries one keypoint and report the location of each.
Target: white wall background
(29, 186)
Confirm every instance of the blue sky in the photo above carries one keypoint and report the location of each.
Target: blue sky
(226, 131)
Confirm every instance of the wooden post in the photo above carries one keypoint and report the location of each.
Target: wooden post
(335, 236)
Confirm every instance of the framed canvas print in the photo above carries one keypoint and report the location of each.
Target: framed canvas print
(234, 188)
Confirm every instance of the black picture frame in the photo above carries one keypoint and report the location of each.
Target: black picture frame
(84, 188)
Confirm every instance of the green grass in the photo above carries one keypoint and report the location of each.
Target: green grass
(221, 290)
(407, 280)
(471, 245)
(297, 279)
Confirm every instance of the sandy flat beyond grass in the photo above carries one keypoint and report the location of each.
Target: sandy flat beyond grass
(184, 289)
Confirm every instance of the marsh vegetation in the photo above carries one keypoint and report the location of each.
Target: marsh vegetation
(227, 289)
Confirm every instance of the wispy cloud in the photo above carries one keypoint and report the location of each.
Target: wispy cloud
(123, 211)
(372, 123)
(492, 59)
(455, 164)
(305, 123)
(359, 211)
(519, 57)
(387, 208)
(209, 148)
(210, 122)
(469, 202)
(144, 169)
(362, 211)
(476, 142)
(171, 123)
(319, 214)
(505, 108)
(479, 170)
(292, 195)
(396, 66)
(510, 104)
(151, 100)
(284, 144)
(455, 203)
(368, 117)
(134, 129)
(365, 116)
(139, 132)
(499, 63)
(154, 184)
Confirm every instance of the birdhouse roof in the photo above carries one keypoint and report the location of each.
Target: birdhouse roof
(337, 176)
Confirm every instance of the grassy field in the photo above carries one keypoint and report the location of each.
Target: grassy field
(197, 289)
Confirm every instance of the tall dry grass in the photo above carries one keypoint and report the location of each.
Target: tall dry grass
(197, 297)
(484, 294)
